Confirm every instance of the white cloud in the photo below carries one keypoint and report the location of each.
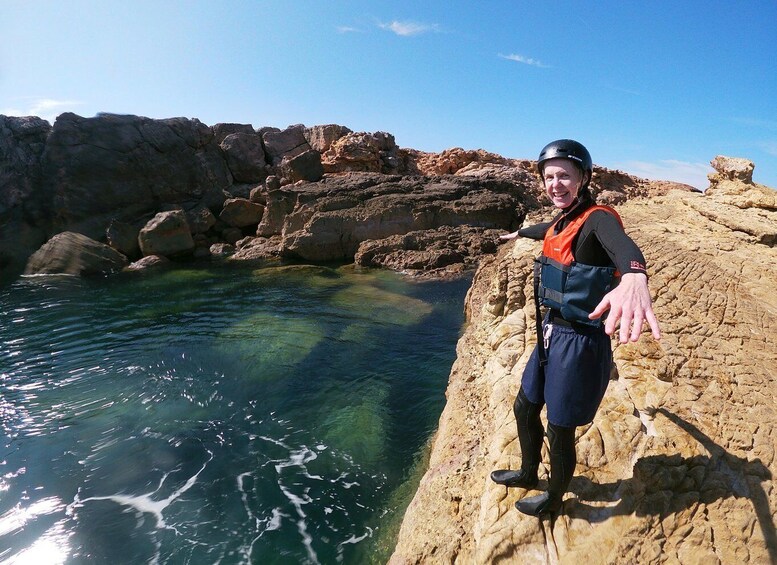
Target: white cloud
(407, 29)
(348, 29)
(524, 60)
(694, 174)
(46, 108)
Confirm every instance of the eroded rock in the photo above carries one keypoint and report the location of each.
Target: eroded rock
(678, 464)
(329, 220)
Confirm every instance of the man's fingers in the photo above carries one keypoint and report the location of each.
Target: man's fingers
(636, 326)
(600, 309)
(625, 326)
(653, 322)
(612, 320)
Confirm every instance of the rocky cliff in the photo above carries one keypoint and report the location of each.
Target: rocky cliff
(678, 465)
(91, 195)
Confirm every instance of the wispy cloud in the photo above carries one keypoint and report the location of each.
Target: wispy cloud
(626, 90)
(408, 28)
(349, 29)
(46, 108)
(694, 174)
(525, 60)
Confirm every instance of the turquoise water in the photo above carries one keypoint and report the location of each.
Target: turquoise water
(227, 415)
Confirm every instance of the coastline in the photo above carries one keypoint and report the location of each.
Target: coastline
(664, 454)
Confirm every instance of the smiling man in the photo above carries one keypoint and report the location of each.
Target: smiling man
(588, 266)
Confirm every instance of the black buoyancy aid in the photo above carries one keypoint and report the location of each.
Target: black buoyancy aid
(561, 283)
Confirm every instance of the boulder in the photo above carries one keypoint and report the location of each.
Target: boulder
(148, 262)
(253, 248)
(732, 168)
(732, 183)
(166, 234)
(222, 130)
(222, 249)
(364, 152)
(321, 138)
(450, 161)
(279, 204)
(200, 219)
(245, 156)
(305, 166)
(285, 144)
(240, 212)
(75, 254)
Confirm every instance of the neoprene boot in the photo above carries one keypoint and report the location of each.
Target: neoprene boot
(530, 432)
(562, 467)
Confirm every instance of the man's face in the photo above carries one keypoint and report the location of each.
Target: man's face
(562, 182)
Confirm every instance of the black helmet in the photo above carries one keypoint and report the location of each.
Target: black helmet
(566, 149)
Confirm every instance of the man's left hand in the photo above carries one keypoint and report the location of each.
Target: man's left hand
(629, 303)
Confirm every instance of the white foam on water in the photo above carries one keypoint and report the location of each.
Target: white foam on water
(352, 541)
(145, 503)
(298, 502)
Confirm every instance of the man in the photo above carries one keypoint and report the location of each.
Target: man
(585, 253)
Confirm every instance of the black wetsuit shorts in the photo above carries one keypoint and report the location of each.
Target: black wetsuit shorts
(573, 382)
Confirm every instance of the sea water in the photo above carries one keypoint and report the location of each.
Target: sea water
(219, 415)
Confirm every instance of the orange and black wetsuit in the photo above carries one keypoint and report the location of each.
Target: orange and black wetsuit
(572, 381)
(601, 241)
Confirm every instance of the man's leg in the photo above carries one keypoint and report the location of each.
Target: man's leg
(530, 432)
(562, 467)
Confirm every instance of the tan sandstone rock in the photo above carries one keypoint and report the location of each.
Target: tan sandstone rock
(678, 465)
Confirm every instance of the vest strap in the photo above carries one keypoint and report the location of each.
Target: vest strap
(541, 353)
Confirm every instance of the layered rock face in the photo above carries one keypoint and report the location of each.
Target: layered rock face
(177, 188)
(106, 177)
(678, 465)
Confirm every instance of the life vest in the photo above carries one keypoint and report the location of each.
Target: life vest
(561, 283)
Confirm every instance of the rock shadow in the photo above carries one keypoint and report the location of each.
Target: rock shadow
(662, 485)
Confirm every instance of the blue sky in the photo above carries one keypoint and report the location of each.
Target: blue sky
(653, 88)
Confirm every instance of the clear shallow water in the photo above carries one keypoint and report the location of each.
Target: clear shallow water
(217, 416)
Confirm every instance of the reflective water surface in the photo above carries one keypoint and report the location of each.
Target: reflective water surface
(227, 415)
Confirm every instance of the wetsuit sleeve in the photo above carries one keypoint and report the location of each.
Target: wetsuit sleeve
(620, 248)
(537, 231)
